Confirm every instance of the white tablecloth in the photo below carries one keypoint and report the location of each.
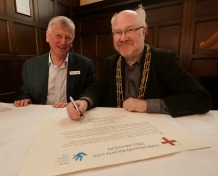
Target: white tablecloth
(18, 126)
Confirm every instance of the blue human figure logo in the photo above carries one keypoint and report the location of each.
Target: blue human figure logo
(79, 156)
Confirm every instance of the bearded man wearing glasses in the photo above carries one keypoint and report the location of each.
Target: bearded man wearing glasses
(142, 78)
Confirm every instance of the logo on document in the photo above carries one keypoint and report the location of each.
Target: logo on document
(79, 156)
(168, 142)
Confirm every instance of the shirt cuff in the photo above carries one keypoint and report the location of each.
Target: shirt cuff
(156, 106)
(88, 100)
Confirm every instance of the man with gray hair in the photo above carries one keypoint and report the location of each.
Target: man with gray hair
(142, 78)
(53, 77)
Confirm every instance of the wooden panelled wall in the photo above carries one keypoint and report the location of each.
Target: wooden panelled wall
(23, 37)
(179, 25)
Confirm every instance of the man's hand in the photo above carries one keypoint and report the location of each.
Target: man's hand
(134, 104)
(73, 113)
(21, 103)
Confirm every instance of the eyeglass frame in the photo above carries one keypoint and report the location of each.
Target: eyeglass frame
(127, 32)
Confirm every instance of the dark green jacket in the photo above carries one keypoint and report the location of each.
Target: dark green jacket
(35, 77)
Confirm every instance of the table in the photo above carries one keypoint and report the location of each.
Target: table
(19, 125)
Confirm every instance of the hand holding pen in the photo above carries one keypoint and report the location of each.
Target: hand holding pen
(76, 107)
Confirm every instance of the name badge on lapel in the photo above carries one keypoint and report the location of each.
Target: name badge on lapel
(77, 72)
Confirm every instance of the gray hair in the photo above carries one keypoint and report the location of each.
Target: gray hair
(63, 21)
(140, 10)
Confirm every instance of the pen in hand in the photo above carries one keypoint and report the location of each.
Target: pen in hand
(74, 103)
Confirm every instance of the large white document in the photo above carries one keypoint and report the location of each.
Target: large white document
(106, 136)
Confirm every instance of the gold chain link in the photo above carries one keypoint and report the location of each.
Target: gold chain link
(144, 79)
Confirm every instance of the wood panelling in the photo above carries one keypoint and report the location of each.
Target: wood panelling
(205, 24)
(206, 9)
(203, 31)
(103, 50)
(23, 37)
(164, 13)
(150, 35)
(102, 47)
(44, 45)
(204, 67)
(5, 48)
(63, 9)
(46, 11)
(88, 45)
(96, 25)
(169, 37)
(2, 7)
(96, 39)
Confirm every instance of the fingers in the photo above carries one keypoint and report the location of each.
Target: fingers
(21, 103)
(128, 105)
(134, 104)
(16, 103)
(82, 104)
(60, 105)
(73, 114)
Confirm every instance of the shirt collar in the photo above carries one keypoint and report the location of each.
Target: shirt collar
(50, 61)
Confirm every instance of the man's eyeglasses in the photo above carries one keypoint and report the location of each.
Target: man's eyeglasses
(127, 32)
